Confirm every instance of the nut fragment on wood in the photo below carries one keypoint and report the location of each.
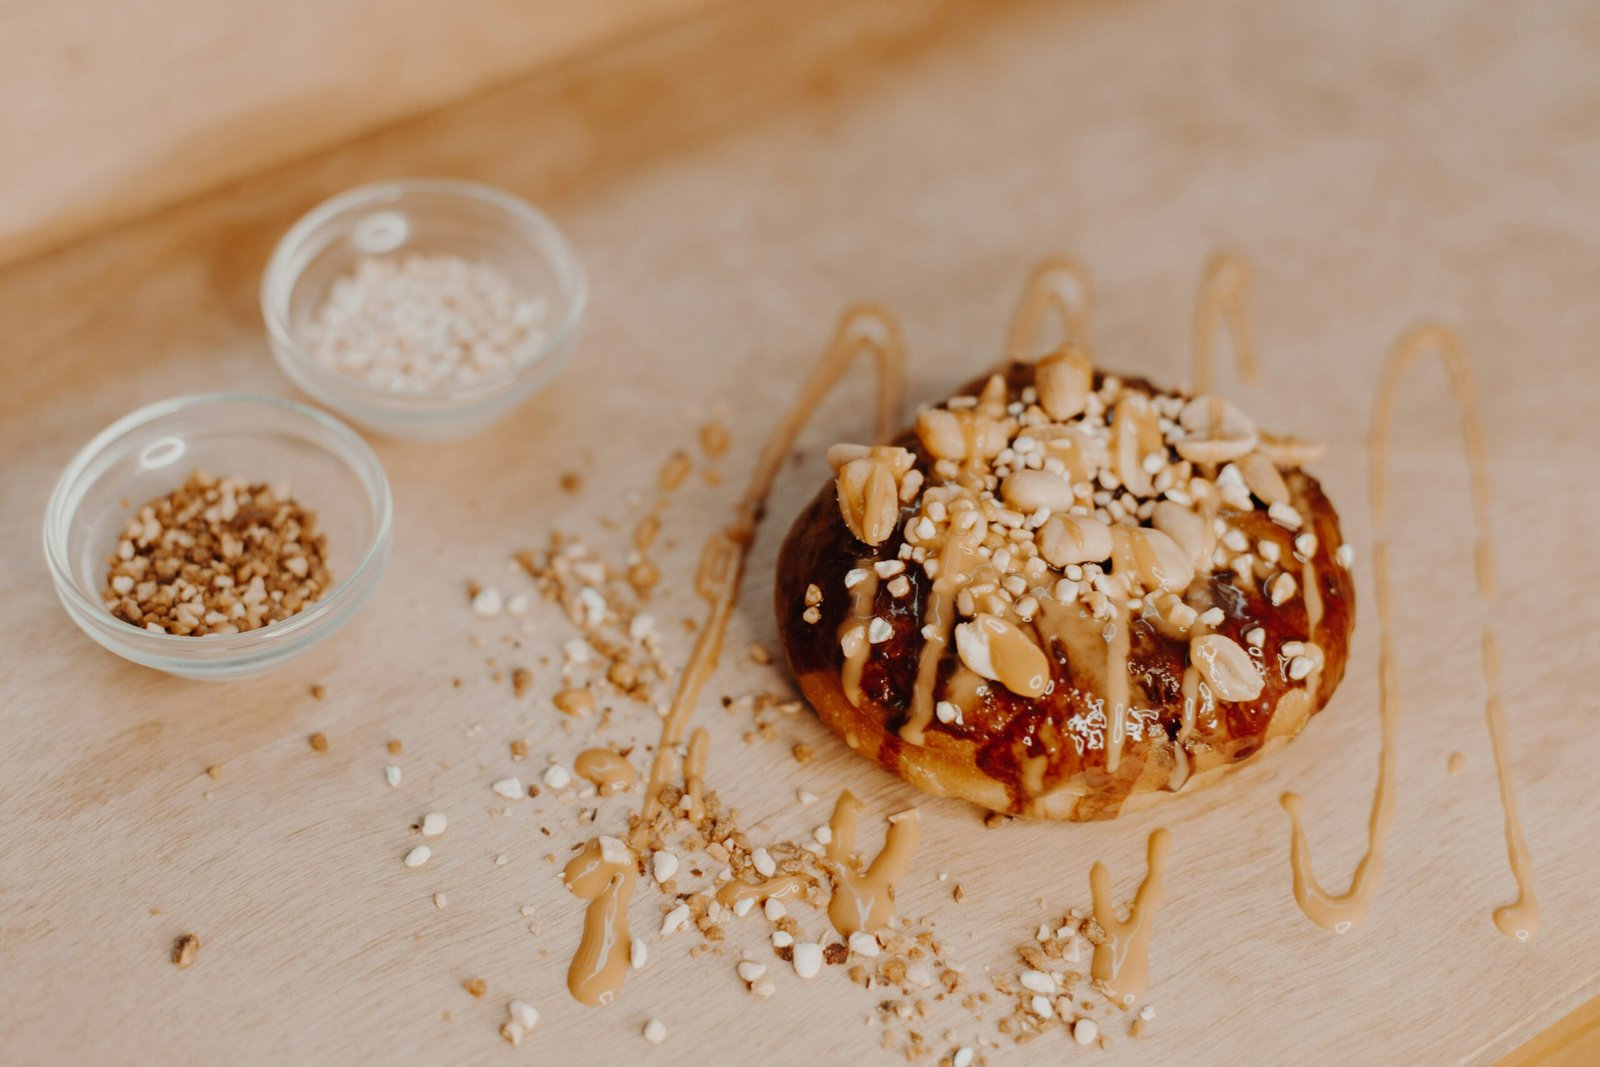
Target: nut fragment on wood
(184, 950)
(318, 741)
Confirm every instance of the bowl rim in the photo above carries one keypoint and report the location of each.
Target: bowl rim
(282, 274)
(363, 461)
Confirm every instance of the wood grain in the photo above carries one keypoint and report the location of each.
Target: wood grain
(115, 109)
(1379, 164)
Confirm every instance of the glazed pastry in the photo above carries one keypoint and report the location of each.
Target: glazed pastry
(1063, 594)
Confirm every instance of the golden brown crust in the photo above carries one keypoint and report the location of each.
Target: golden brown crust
(1029, 757)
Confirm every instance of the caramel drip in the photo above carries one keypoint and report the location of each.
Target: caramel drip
(601, 962)
(863, 329)
(1311, 590)
(608, 772)
(1121, 962)
(853, 633)
(1223, 289)
(957, 560)
(1117, 686)
(1519, 919)
(780, 888)
(694, 773)
(1055, 285)
(865, 901)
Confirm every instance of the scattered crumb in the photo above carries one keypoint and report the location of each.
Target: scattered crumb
(521, 680)
(214, 771)
(395, 747)
(476, 986)
(184, 950)
(318, 741)
(317, 691)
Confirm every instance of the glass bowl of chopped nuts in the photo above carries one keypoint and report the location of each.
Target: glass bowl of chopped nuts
(424, 309)
(218, 536)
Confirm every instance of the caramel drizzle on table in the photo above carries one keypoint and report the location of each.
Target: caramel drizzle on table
(601, 965)
(1339, 912)
(601, 962)
(781, 887)
(1224, 289)
(1058, 285)
(607, 771)
(1121, 962)
(865, 901)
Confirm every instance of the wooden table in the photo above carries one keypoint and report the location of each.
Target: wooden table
(732, 185)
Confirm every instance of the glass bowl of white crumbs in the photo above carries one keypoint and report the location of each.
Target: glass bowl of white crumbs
(423, 308)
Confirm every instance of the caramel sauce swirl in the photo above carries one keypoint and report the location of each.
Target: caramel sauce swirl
(865, 900)
(1341, 911)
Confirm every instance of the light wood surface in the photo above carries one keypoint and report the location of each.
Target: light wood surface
(113, 109)
(1379, 163)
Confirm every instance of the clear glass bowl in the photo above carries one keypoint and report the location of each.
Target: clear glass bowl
(465, 219)
(147, 454)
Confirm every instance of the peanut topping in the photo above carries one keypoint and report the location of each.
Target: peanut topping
(1218, 431)
(1135, 436)
(1064, 380)
(1263, 479)
(997, 650)
(1155, 556)
(869, 488)
(1227, 668)
(1069, 539)
(1030, 490)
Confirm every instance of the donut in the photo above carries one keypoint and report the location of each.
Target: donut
(1065, 593)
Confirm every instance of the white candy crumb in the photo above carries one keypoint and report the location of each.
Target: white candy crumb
(418, 856)
(807, 959)
(523, 1014)
(557, 777)
(1084, 1032)
(655, 1031)
(487, 604)
(863, 944)
(391, 774)
(510, 788)
(663, 865)
(675, 920)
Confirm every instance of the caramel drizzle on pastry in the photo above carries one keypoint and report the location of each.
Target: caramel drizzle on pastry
(1339, 912)
(1121, 962)
(606, 770)
(854, 638)
(865, 900)
(957, 560)
(601, 964)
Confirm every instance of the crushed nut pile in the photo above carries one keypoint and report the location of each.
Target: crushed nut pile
(419, 322)
(217, 556)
